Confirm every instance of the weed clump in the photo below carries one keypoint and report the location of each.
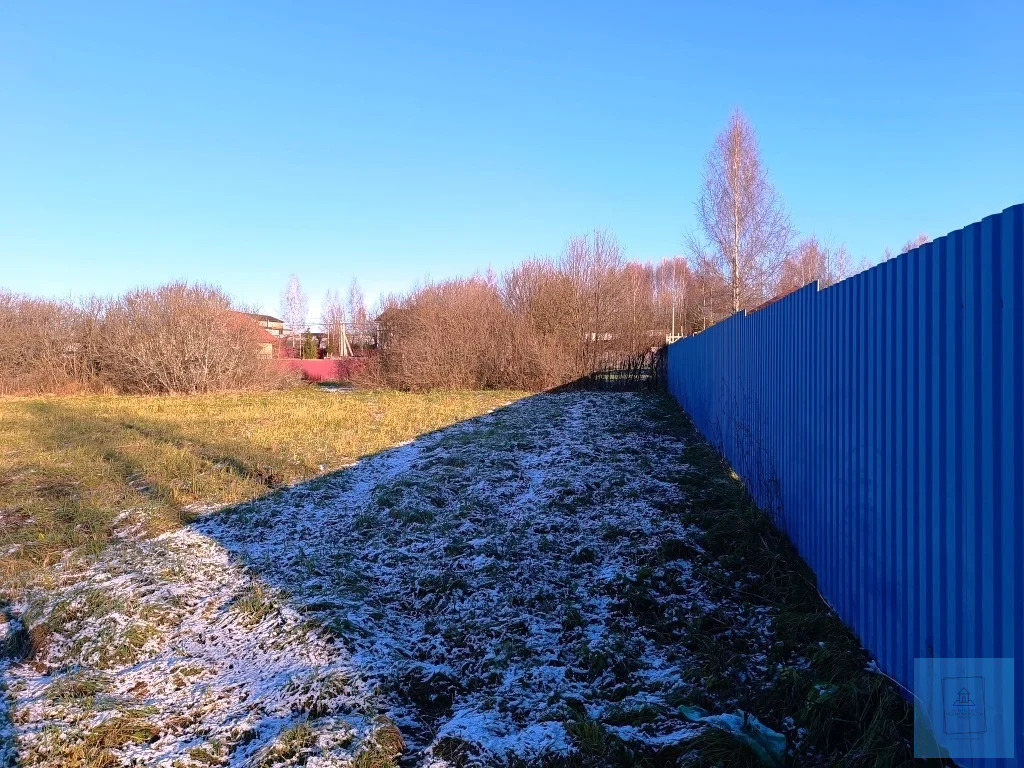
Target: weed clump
(292, 746)
(255, 604)
(383, 748)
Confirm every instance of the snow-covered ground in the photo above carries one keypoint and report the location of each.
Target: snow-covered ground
(481, 589)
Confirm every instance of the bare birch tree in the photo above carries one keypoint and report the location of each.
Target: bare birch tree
(812, 261)
(356, 314)
(334, 324)
(294, 308)
(744, 226)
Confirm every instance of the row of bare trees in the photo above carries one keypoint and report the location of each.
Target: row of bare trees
(547, 322)
(178, 338)
(540, 324)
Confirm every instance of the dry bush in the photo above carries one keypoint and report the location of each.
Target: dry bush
(180, 338)
(45, 345)
(175, 339)
(446, 336)
(540, 325)
(545, 337)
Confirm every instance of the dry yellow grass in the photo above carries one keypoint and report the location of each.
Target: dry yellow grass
(70, 465)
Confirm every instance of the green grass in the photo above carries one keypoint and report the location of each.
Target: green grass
(255, 604)
(70, 464)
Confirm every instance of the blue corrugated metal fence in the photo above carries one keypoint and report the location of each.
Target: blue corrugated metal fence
(882, 421)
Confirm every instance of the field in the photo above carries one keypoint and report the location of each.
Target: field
(71, 466)
(560, 580)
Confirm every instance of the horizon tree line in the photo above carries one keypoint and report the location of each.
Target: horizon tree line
(540, 323)
(549, 321)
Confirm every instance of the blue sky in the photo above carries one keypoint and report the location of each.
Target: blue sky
(235, 143)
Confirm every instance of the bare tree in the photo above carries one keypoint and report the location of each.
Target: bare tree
(811, 261)
(591, 266)
(355, 312)
(295, 310)
(745, 228)
(334, 324)
(635, 320)
(711, 290)
(673, 286)
(910, 245)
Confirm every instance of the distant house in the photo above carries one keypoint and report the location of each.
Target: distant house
(270, 345)
(270, 335)
(272, 325)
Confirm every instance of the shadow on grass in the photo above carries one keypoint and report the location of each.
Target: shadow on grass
(16, 645)
(101, 434)
(389, 556)
(577, 566)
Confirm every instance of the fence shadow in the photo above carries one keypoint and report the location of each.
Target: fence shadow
(645, 371)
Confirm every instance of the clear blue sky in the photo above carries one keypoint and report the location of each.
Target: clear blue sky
(235, 143)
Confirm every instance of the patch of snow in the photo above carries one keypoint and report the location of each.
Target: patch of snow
(493, 732)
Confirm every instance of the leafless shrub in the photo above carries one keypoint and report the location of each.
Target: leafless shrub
(540, 325)
(446, 336)
(177, 338)
(180, 338)
(46, 345)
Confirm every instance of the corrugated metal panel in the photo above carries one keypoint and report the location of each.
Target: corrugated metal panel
(884, 418)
